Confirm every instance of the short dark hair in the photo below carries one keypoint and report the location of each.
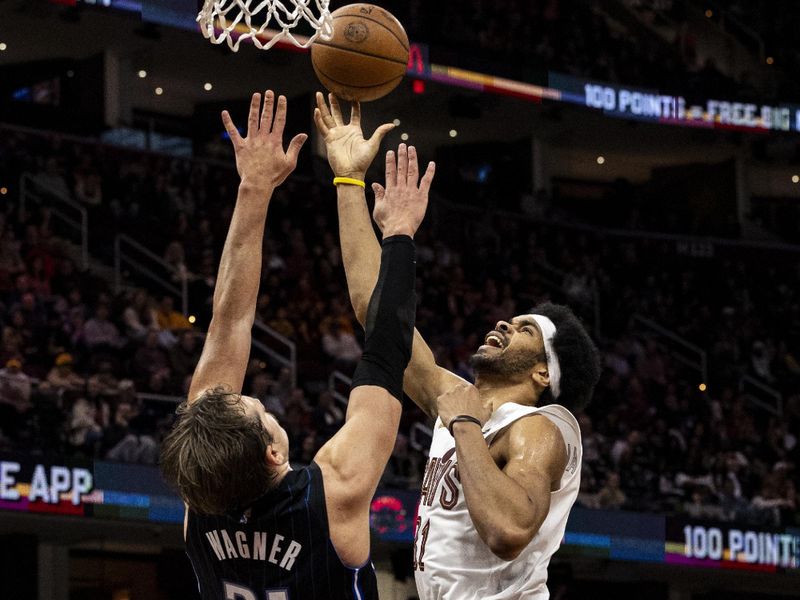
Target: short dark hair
(578, 358)
(215, 455)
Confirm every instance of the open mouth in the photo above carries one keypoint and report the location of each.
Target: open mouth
(495, 341)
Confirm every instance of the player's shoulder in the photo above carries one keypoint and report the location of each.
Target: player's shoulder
(534, 428)
(534, 437)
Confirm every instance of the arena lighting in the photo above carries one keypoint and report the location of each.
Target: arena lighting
(396, 122)
(404, 137)
(601, 160)
(3, 191)
(709, 13)
(795, 178)
(207, 86)
(770, 60)
(159, 91)
(418, 87)
(142, 74)
(3, 46)
(70, 73)
(453, 133)
(192, 319)
(702, 387)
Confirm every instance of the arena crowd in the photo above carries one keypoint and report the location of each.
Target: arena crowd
(86, 370)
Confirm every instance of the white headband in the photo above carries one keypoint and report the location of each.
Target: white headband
(553, 367)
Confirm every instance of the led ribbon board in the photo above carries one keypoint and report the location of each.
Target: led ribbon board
(612, 100)
(137, 493)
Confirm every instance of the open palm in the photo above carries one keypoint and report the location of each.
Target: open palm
(349, 154)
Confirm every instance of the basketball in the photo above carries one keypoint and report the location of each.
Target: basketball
(367, 56)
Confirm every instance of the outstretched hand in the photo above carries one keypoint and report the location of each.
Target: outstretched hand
(349, 154)
(400, 206)
(260, 158)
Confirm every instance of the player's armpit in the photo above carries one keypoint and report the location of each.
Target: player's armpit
(424, 380)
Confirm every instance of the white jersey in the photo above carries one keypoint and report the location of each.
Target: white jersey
(451, 561)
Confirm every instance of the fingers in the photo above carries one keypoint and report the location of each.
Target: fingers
(427, 179)
(379, 191)
(252, 120)
(355, 113)
(266, 113)
(280, 117)
(233, 133)
(380, 133)
(413, 167)
(402, 165)
(294, 148)
(323, 128)
(325, 113)
(391, 170)
(336, 110)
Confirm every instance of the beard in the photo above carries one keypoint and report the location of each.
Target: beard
(502, 364)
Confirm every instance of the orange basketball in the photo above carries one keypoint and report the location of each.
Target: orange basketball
(367, 56)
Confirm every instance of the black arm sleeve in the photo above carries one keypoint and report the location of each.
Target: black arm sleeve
(390, 319)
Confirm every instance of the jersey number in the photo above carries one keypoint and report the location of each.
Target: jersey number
(239, 592)
(420, 539)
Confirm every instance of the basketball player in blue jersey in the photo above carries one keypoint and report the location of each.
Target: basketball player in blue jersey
(505, 460)
(255, 529)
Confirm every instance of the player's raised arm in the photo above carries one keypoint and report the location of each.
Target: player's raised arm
(263, 165)
(350, 155)
(354, 459)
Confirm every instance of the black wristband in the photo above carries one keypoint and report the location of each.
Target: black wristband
(462, 419)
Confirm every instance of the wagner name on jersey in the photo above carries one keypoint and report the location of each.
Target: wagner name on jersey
(277, 549)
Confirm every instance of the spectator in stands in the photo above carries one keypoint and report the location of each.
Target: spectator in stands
(104, 380)
(40, 275)
(341, 346)
(402, 471)
(125, 443)
(10, 259)
(328, 416)
(150, 359)
(99, 333)
(84, 431)
(62, 376)
(611, 496)
(88, 183)
(15, 398)
(52, 178)
(263, 389)
(184, 355)
(139, 316)
(170, 319)
(175, 257)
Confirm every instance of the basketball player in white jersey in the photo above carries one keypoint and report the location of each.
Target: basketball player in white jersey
(504, 465)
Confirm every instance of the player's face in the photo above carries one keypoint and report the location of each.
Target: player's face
(512, 348)
(279, 436)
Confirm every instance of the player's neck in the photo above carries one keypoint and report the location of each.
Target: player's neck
(496, 392)
(281, 471)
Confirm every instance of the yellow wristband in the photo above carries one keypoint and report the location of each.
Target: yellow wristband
(349, 181)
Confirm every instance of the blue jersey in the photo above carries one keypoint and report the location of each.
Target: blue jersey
(277, 549)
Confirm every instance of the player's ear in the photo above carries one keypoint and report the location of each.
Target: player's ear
(540, 375)
(274, 456)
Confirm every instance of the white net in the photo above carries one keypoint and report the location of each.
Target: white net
(266, 22)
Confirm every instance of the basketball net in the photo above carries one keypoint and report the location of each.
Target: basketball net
(232, 21)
